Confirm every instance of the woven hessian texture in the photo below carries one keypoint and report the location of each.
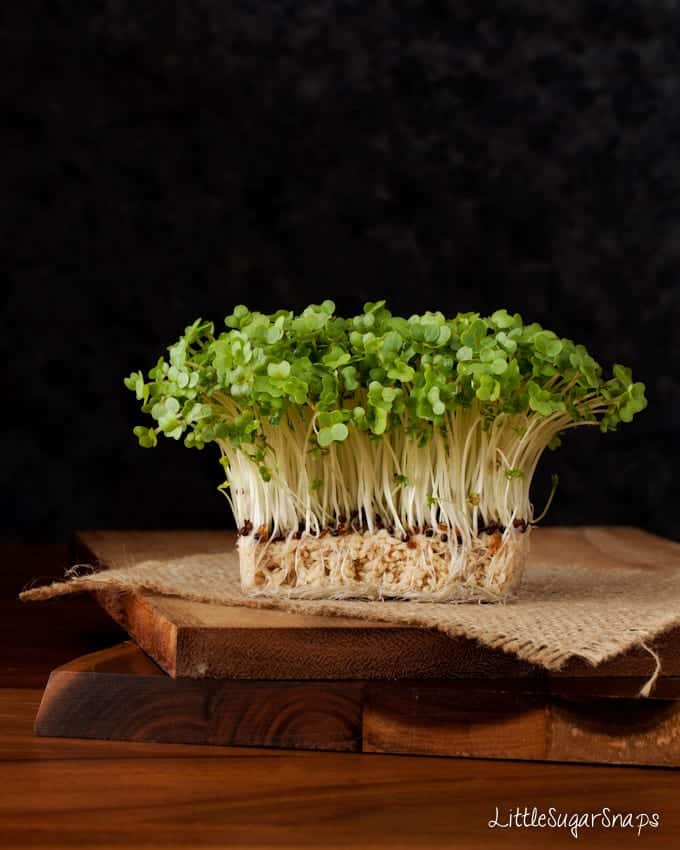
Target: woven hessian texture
(587, 593)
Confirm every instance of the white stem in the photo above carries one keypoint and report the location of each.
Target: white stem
(408, 485)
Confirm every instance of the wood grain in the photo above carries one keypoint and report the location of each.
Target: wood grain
(193, 639)
(121, 694)
(620, 731)
(437, 719)
(466, 721)
(66, 793)
(61, 793)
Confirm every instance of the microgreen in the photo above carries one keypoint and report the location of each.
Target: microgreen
(420, 420)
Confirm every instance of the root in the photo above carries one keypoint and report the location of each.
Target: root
(379, 565)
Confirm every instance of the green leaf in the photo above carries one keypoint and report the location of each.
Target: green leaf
(238, 317)
(438, 407)
(325, 437)
(376, 373)
(506, 342)
(146, 436)
(401, 371)
(336, 357)
(502, 319)
(278, 370)
(623, 375)
(489, 388)
(339, 432)
(135, 382)
(379, 425)
(333, 433)
(350, 378)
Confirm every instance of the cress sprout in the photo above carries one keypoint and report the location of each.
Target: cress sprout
(377, 420)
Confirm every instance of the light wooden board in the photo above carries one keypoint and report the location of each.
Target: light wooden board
(194, 639)
(120, 694)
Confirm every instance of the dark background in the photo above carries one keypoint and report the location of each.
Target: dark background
(166, 161)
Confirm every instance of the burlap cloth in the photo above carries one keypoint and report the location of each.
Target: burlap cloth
(588, 593)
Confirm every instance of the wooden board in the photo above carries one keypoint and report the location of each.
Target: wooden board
(121, 694)
(194, 639)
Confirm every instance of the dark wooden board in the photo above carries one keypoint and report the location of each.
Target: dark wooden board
(195, 639)
(121, 694)
(438, 719)
(62, 793)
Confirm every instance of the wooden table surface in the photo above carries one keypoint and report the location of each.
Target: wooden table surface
(57, 793)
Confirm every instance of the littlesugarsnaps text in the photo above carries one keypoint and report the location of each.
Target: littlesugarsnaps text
(575, 822)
